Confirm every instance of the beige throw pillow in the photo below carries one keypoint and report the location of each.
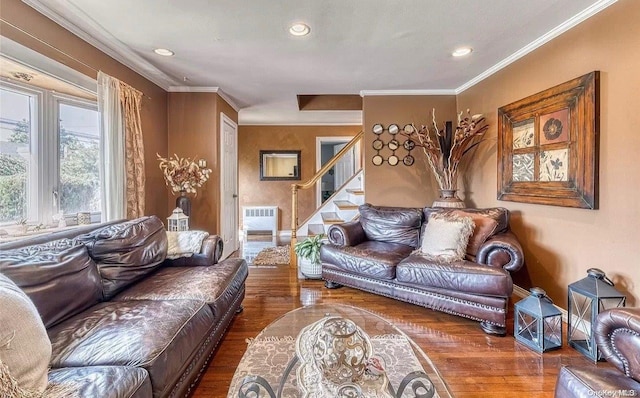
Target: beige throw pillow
(484, 228)
(25, 349)
(446, 237)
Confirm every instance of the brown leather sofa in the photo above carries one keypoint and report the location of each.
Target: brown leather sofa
(617, 334)
(123, 322)
(376, 254)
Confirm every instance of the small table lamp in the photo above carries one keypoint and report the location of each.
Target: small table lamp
(538, 323)
(587, 298)
(178, 221)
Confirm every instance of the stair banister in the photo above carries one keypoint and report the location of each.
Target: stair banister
(293, 261)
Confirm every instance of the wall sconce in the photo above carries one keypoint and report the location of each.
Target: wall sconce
(587, 298)
(538, 323)
(202, 163)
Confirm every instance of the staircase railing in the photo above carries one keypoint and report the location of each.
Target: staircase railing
(310, 183)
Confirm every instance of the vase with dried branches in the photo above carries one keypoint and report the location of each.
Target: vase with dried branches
(183, 175)
(445, 148)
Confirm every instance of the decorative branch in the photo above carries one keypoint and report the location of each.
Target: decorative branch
(444, 148)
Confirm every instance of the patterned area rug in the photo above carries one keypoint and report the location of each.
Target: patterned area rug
(278, 255)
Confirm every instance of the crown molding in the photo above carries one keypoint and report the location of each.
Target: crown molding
(539, 42)
(204, 89)
(193, 89)
(100, 38)
(373, 93)
(302, 124)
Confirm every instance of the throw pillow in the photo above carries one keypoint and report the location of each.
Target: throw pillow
(446, 237)
(25, 349)
(184, 243)
(484, 228)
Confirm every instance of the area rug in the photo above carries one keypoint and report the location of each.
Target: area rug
(272, 256)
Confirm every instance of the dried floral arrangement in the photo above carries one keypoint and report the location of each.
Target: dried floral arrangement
(445, 148)
(183, 174)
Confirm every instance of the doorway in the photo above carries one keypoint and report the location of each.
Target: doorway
(326, 148)
(229, 185)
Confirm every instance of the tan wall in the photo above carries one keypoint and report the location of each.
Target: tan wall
(400, 185)
(562, 243)
(254, 192)
(24, 25)
(194, 131)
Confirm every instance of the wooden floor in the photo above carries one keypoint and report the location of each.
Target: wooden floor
(472, 363)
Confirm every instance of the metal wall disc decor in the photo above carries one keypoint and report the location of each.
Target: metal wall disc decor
(394, 148)
(408, 160)
(409, 145)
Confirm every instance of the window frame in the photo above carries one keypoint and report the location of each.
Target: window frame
(43, 201)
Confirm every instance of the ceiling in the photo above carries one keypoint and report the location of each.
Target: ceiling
(242, 48)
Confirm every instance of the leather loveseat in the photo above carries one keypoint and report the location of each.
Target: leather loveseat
(617, 334)
(122, 321)
(377, 253)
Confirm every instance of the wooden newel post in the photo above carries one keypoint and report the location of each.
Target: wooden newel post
(293, 260)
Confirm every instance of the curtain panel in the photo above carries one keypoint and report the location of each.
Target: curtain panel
(122, 150)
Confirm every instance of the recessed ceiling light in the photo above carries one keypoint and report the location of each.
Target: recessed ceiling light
(462, 51)
(164, 52)
(299, 29)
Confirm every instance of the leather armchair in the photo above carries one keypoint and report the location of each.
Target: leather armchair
(617, 333)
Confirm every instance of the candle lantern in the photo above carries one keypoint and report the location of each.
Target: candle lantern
(178, 221)
(587, 298)
(538, 323)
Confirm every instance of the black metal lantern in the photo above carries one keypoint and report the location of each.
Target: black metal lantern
(587, 298)
(538, 323)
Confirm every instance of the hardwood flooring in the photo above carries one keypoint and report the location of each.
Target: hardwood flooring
(472, 363)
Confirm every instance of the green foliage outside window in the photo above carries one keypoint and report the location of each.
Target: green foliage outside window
(79, 172)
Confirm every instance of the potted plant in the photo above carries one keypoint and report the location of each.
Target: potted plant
(308, 252)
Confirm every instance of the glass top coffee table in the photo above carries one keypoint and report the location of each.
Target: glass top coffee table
(270, 367)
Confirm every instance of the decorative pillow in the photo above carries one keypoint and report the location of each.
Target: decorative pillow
(25, 349)
(58, 276)
(184, 243)
(446, 237)
(485, 227)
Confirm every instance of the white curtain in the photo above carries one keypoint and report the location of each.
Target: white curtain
(112, 153)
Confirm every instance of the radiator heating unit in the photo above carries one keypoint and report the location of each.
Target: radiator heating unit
(260, 219)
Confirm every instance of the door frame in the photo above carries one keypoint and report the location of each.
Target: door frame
(341, 139)
(224, 119)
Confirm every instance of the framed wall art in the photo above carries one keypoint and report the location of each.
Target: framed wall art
(548, 146)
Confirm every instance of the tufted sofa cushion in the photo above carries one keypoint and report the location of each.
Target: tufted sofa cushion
(391, 224)
(59, 277)
(127, 251)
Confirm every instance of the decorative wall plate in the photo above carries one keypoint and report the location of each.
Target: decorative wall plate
(394, 129)
(393, 145)
(378, 144)
(409, 145)
(377, 160)
(408, 160)
(393, 160)
(408, 128)
(377, 129)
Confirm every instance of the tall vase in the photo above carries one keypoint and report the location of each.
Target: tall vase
(449, 198)
(184, 202)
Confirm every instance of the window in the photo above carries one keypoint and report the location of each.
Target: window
(49, 155)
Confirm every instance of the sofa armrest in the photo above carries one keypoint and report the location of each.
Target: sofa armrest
(617, 333)
(346, 234)
(502, 250)
(210, 253)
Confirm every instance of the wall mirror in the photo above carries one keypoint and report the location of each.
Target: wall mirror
(279, 165)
